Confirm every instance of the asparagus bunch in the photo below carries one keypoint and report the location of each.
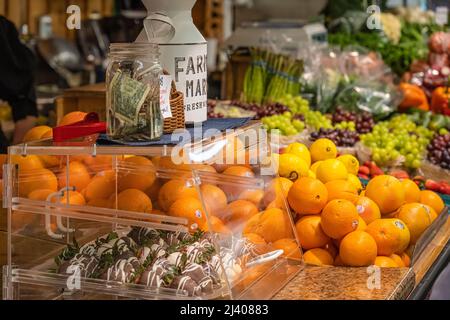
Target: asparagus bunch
(271, 76)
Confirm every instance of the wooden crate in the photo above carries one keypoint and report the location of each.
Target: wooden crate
(90, 98)
(233, 77)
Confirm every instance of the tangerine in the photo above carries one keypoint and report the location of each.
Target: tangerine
(385, 262)
(367, 209)
(412, 191)
(78, 176)
(214, 198)
(432, 199)
(36, 179)
(190, 208)
(272, 224)
(391, 235)
(102, 186)
(318, 257)
(310, 233)
(358, 249)
(307, 196)
(134, 200)
(173, 190)
(290, 248)
(341, 189)
(138, 173)
(339, 217)
(416, 218)
(387, 192)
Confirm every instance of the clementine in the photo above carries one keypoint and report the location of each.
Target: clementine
(133, 200)
(339, 217)
(289, 247)
(307, 196)
(416, 218)
(318, 257)
(190, 208)
(412, 191)
(310, 233)
(391, 235)
(173, 190)
(77, 174)
(367, 209)
(387, 192)
(358, 249)
(136, 173)
(385, 262)
(432, 199)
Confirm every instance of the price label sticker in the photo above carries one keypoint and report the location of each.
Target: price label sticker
(165, 82)
(442, 15)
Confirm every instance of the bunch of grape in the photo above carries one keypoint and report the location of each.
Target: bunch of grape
(262, 110)
(398, 136)
(313, 119)
(342, 138)
(439, 150)
(287, 124)
(344, 125)
(211, 113)
(364, 121)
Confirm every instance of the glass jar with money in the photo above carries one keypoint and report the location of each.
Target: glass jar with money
(132, 96)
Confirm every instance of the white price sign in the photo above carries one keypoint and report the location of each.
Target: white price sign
(165, 83)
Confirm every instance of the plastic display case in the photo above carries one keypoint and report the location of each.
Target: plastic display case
(115, 222)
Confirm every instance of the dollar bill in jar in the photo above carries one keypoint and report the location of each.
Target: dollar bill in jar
(133, 111)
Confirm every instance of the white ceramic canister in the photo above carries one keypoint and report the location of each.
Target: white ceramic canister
(183, 51)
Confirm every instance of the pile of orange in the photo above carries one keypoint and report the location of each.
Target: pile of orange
(339, 224)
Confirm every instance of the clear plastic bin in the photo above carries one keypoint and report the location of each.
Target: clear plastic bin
(93, 222)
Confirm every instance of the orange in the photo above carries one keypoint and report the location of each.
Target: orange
(102, 186)
(98, 163)
(239, 211)
(310, 233)
(190, 208)
(40, 194)
(406, 260)
(26, 163)
(318, 257)
(416, 218)
(398, 260)
(74, 198)
(239, 171)
(367, 209)
(136, 173)
(307, 196)
(331, 248)
(330, 170)
(217, 226)
(214, 198)
(385, 262)
(277, 190)
(433, 215)
(72, 117)
(36, 133)
(36, 179)
(387, 192)
(272, 224)
(412, 191)
(391, 235)
(254, 238)
(290, 248)
(134, 200)
(341, 189)
(174, 190)
(254, 196)
(433, 200)
(358, 249)
(339, 217)
(50, 161)
(79, 176)
(100, 203)
(232, 191)
(47, 135)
